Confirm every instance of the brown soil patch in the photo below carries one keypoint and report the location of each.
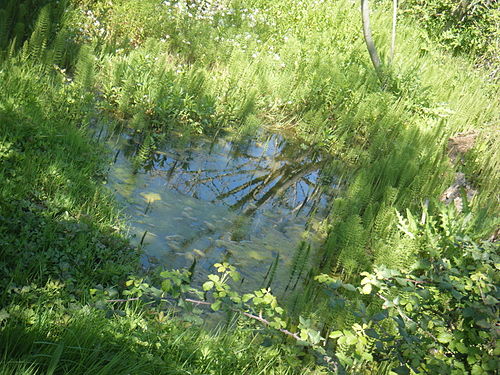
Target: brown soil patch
(459, 144)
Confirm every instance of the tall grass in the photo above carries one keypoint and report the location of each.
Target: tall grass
(85, 341)
(61, 235)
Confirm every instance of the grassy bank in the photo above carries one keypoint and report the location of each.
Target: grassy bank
(207, 67)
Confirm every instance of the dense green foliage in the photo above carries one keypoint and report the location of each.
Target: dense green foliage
(468, 27)
(207, 66)
(447, 305)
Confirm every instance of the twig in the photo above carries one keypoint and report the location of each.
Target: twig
(258, 318)
(123, 300)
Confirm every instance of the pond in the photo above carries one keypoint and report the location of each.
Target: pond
(257, 203)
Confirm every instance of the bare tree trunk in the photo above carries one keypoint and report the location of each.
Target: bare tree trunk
(367, 33)
(394, 20)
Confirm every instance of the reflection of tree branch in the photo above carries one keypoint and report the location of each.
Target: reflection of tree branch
(228, 174)
(216, 190)
(255, 191)
(171, 170)
(269, 161)
(238, 167)
(241, 187)
(308, 182)
(283, 184)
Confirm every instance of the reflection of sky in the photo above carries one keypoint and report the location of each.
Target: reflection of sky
(176, 204)
(222, 172)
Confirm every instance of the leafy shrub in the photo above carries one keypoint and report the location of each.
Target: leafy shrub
(463, 26)
(440, 318)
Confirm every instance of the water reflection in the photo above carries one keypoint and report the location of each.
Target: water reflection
(212, 200)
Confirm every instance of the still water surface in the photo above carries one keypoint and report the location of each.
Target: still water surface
(251, 203)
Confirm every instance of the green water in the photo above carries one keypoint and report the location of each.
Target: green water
(249, 202)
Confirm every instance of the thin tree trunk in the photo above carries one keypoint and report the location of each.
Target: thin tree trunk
(367, 33)
(394, 20)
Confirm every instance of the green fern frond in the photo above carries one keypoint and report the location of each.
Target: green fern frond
(268, 279)
(143, 153)
(38, 40)
(296, 260)
(58, 48)
(19, 33)
(84, 70)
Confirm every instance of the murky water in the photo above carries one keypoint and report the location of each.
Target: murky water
(251, 203)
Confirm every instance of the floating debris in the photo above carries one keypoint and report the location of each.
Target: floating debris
(174, 237)
(174, 245)
(209, 225)
(151, 197)
(199, 253)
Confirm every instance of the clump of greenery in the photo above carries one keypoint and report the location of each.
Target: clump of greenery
(464, 27)
(446, 305)
(43, 331)
(393, 324)
(56, 218)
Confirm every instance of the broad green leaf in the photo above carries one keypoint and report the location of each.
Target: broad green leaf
(445, 337)
(247, 297)
(335, 334)
(351, 339)
(214, 278)
(490, 300)
(216, 305)
(235, 275)
(208, 285)
(314, 337)
(401, 370)
(367, 289)
(166, 285)
(461, 347)
(349, 287)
